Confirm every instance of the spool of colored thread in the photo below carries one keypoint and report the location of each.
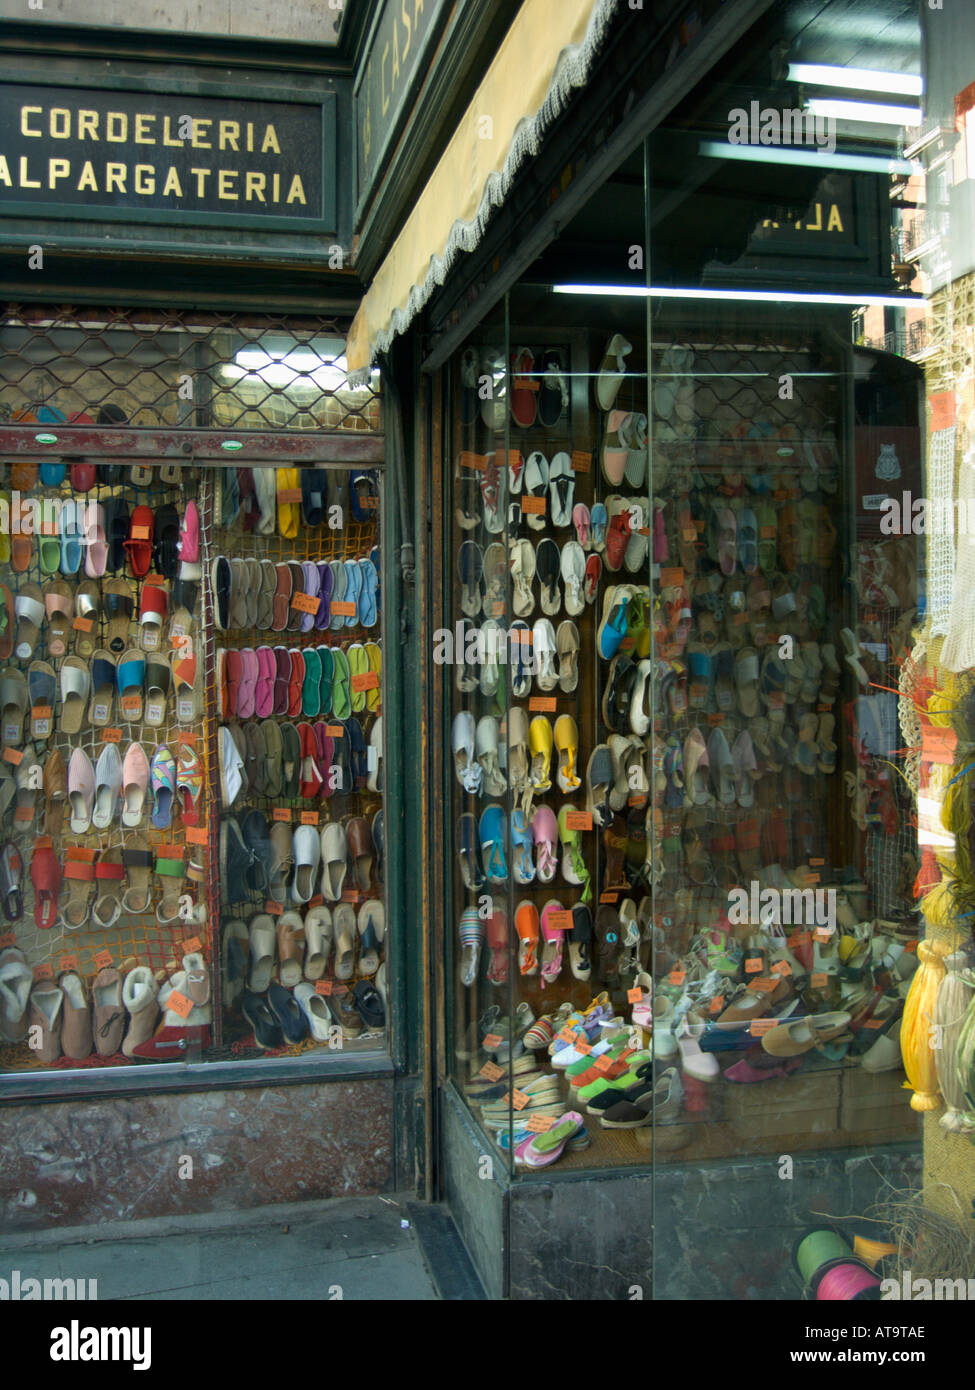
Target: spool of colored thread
(816, 1248)
(846, 1282)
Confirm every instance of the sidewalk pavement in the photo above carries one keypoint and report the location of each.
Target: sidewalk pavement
(348, 1248)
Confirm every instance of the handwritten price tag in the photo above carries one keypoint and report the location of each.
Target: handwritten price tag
(491, 1071)
(180, 1004)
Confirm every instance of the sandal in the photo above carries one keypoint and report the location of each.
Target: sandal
(103, 684)
(158, 681)
(79, 869)
(118, 607)
(87, 607)
(45, 875)
(172, 872)
(57, 606)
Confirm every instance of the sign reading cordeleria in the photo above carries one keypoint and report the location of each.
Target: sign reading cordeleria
(91, 152)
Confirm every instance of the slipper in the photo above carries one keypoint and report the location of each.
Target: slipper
(561, 486)
(81, 791)
(11, 882)
(138, 546)
(363, 496)
(158, 682)
(553, 937)
(171, 869)
(616, 446)
(296, 678)
(79, 871)
(137, 861)
(118, 605)
(247, 687)
(72, 537)
(220, 581)
(311, 586)
(188, 548)
(152, 612)
(599, 781)
(374, 692)
(353, 590)
(30, 613)
(135, 782)
(42, 684)
(612, 371)
(117, 521)
(7, 624)
(96, 556)
(75, 693)
(87, 605)
(553, 393)
(535, 484)
(567, 647)
(523, 389)
(57, 608)
(49, 550)
(45, 875)
(185, 690)
(162, 782)
(636, 458)
(580, 941)
(267, 585)
(334, 855)
(107, 906)
(239, 590)
(341, 699)
(368, 604)
(312, 496)
(468, 851)
(492, 835)
(130, 678)
(372, 932)
(289, 502)
(345, 927)
(108, 787)
(103, 685)
(545, 833)
(573, 570)
(340, 580)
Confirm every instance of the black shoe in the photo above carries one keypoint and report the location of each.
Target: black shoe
(166, 542)
(235, 862)
(257, 839)
(369, 1004)
(288, 1012)
(221, 592)
(290, 761)
(257, 1012)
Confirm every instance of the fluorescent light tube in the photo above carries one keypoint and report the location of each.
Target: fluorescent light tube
(787, 154)
(759, 296)
(905, 84)
(870, 112)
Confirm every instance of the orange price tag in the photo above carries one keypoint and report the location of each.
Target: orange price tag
(67, 963)
(13, 755)
(540, 1124)
(140, 533)
(634, 996)
(671, 578)
(343, 610)
(368, 680)
(111, 735)
(763, 985)
(323, 987)
(180, 1004)
(316, 900)
(716, 1004)
(492, 1041)
(581, 462)
(715, 718)
(816, 863)
(334, 731)
(193, 945)
(282, 813)
(559, 921)
(801, 938)
(41, 712)
(542, 704)
(677, 977)
(307, 603)
(475, 461)
(753, 965)
(535, 505)
(43, 972)
(609, 897)
(185, 736)
(350, 895)
(874, 1022)
(820, 980)
(519, 1100)
(103, 959)
(8, 939)
(782, 967)
(603, 1063)
(567, 1035)
(169, 851)
(289, 496)
(491, 1071)
(768, 533)
(824, 933)
(759, 1026)
(583, 1048)
(309, 817)
(131, 706)
(578, 820)
(776, 699)
(197, 835)
(273, 908)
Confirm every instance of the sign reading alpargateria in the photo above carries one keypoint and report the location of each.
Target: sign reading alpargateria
(93, 152)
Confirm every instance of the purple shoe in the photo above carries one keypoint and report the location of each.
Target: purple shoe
(326, 581)
(312, 584)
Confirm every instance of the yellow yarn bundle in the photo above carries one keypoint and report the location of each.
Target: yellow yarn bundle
(919, 1007)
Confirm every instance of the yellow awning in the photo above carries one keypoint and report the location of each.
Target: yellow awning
(547, 52)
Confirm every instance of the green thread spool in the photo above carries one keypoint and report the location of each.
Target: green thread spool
(815, 1248)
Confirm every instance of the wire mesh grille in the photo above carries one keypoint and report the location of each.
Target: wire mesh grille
(154, 370)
